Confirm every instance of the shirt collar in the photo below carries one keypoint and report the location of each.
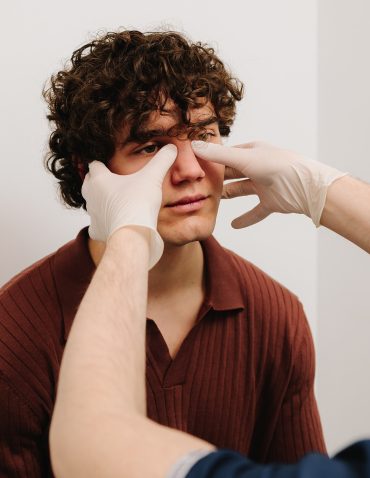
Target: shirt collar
(74, 269)
(223, 279)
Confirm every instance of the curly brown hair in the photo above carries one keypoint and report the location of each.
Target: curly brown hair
(119, 79)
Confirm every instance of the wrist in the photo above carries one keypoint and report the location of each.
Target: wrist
(127, 244)
(139, 240)
(129, 233)
(316, 178)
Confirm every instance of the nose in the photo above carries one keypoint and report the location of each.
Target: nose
(186, 166)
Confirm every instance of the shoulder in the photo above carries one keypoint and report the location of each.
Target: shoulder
(30, 291)
(273, 318)
(33, 299)
(32, 325)
(270, 308)
(35, 308)
(29, 306)
(28, 317)
(257, 282)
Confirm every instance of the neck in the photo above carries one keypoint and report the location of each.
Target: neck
(179, 266)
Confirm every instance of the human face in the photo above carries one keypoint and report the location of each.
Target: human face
(191, 188)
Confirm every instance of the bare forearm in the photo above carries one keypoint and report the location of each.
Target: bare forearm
(99, 423)
(110, 319)
(347, 210)
(132, 447)
(102, 377)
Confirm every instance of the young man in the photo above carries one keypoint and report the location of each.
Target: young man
(229, 354)
(101, 382)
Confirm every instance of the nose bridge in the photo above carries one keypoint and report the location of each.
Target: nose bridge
(186, 166)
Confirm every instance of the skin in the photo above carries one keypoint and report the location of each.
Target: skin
(105, 358)
(347, 202)
(188, 176)
(179, 275)
(347, 210)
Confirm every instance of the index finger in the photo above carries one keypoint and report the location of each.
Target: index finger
(236, 158)
(161, 162)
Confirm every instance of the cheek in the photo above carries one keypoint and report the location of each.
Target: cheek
(119, 164)
(215, 173)
(167, 188)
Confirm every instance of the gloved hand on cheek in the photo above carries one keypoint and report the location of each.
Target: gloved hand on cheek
(114, 201)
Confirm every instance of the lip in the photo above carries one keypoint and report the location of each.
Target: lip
(188, 203)
(187, 200)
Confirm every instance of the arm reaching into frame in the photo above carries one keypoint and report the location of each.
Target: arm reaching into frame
(286, 182)
(115, 200)
(100, 412)
(99, 427)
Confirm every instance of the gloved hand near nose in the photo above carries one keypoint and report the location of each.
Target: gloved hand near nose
(284, 181)
(114, 201)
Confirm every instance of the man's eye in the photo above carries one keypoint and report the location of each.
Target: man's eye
(206, 136)
(149, 149)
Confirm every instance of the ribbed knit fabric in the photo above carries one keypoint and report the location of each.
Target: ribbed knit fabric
(242, 379)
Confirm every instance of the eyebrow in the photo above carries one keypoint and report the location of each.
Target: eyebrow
(145, 135)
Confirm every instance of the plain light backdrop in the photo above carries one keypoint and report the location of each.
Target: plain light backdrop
(343, 275)
(306, 71)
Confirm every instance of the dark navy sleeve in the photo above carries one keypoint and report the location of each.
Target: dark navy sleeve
(353, 462)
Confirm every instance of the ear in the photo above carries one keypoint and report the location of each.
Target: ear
(81, 168)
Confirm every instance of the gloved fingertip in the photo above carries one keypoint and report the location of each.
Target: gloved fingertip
(216, 153)
(170, 148)
(235, 224)
(199, 145)
(96, 167)
(242, 222)
(205, 150)
(161, 162)
(166, 154)
(171, 153)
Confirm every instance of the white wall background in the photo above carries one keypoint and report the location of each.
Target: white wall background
(271, 46)
(344, 272)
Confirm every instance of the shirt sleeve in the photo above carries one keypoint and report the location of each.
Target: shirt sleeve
(353, 462)
(23, 447)
(184, 464)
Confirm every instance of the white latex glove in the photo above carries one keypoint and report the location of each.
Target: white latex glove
(284, 181)
(114, 200)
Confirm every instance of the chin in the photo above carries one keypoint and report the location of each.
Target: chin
(182, 234)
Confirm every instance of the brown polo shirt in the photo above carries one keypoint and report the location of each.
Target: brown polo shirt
(242, 379)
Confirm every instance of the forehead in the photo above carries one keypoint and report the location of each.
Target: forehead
(166, 117)
(169, 114)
